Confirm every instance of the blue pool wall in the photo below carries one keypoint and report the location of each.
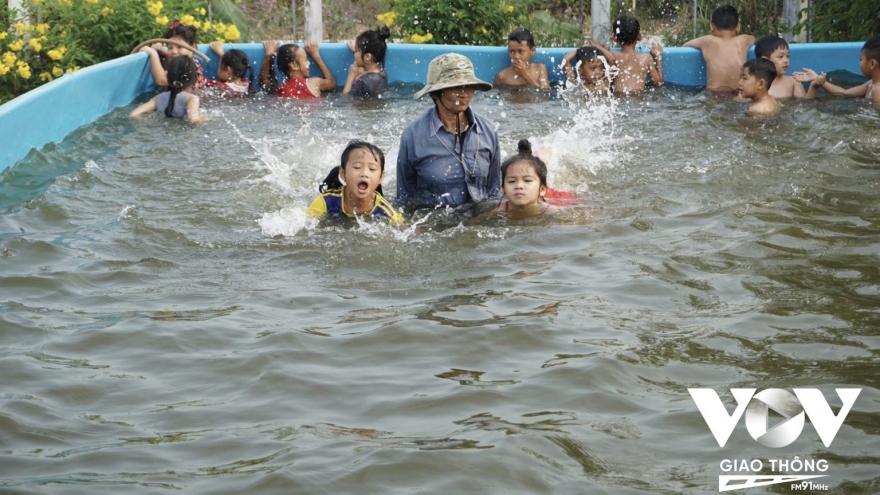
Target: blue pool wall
(54, 110)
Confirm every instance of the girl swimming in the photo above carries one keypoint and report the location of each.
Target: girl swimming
(524, 184)
(366, 76)
(179, 102)
(355, 186)
(293, 62)
(235, 74)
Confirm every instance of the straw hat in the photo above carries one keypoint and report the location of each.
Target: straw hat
(451, 70)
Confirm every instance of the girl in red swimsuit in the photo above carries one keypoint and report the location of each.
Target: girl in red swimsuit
(293, 62)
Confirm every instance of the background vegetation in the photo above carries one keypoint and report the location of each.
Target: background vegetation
(54, 37)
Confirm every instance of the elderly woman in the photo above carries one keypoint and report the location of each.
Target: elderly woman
(449, 155)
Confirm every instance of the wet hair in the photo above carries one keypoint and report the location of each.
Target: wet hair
(520, 35)
(237, 60)
(282, 58)
(872, 49)
(373, 42)
(587, 54)
(761, 68)
(769, 44)
(332, 181)
(725, 17)
(180, 30)
(524, 153)
(626, 30)
(182, 75)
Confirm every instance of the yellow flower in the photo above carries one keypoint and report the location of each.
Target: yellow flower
(483, 29)
(19, 26)
(232, 33)
(3, 70)
(55, 54)
(35, 44)
(510, 8)
(202, 11)
(387, 18)
(196, 24)
(91, 1)
(24, 71)
(162, 21)
(206, 26)
(45, 76)
(106, 11)
(16, 45)
(154, 8)
(9, 59)
(57, 71)
(72, 69)
(3, 35)
(187, 19)
(42, 28)
(62, 49)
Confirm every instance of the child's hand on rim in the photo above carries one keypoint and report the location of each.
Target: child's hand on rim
(312, 48)
(216, 47)
(271, 46)
(351, 46)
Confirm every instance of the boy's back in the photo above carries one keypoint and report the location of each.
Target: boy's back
(724, 50)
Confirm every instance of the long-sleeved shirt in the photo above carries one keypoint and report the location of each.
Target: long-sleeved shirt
(434, 168)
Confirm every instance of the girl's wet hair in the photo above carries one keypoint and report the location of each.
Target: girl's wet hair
(626, 30)
(332, 181)
(237, 60)
(587, 54)
(373, 42)
(522, 35)
(282, 59)
(524, 149)
(180, 30)
(182, 75)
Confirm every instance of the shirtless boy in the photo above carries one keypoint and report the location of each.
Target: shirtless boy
(522, 72)
(633, 67)
(755, 79)
(724, 51)
(869, 64)
(775, 49)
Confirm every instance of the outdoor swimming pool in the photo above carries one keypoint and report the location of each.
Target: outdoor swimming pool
(172, 321)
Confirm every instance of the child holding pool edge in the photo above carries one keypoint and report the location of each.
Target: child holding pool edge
(869, 64)
(634, 67)
(724, 51)
(178, 102)
(776, 50)
(591, 67)
(235, 74)
(177, 32)
(522, 72)
(366, 76)
(355, 186)
(293, 62)
(756, 77)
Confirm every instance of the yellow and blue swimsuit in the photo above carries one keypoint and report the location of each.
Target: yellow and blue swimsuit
(332, 201)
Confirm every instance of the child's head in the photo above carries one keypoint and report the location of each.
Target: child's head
(182, 76)
(725, 18)
(870, 57)
(755, 78)
(290, 58)
(183, 33)
(361, 168)
(370, 46)
(591, 67)
(627, 30)
(521, 45)
(774, 49)
(524, 177)
(235, 65)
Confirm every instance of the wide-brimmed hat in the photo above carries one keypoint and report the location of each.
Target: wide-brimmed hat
(451, 70)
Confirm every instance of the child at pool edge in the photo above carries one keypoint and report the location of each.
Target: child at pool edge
(755, 79)
(235, 74)
(522, 72)
(176, 32)
(293, 62)
(776, 50)
(591, 68)
(366, 76)
(633, 67)
(355, 186)
(178, 102)
(524, 184)
(724, 51)
(869, 63)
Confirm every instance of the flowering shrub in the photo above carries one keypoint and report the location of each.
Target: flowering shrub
(455, 22)
(77, 33)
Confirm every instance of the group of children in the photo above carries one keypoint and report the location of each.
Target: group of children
(354, 187)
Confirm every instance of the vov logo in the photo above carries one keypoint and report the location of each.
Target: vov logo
(756, 408)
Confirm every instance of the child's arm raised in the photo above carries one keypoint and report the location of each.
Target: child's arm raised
(656, 68)
(608, 54)
(821, 81)
(160, 77)
(568, 68)
(325, 83)
(270, 47)
(217, 47)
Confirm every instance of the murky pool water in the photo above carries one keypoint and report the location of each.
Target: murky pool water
(171, 321)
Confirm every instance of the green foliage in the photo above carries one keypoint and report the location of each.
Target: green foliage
(550, 31)
(455, 22)
(833, 20)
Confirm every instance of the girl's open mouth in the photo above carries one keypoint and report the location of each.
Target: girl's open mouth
(363, 186)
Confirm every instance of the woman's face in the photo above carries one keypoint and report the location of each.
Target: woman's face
(457, 99)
